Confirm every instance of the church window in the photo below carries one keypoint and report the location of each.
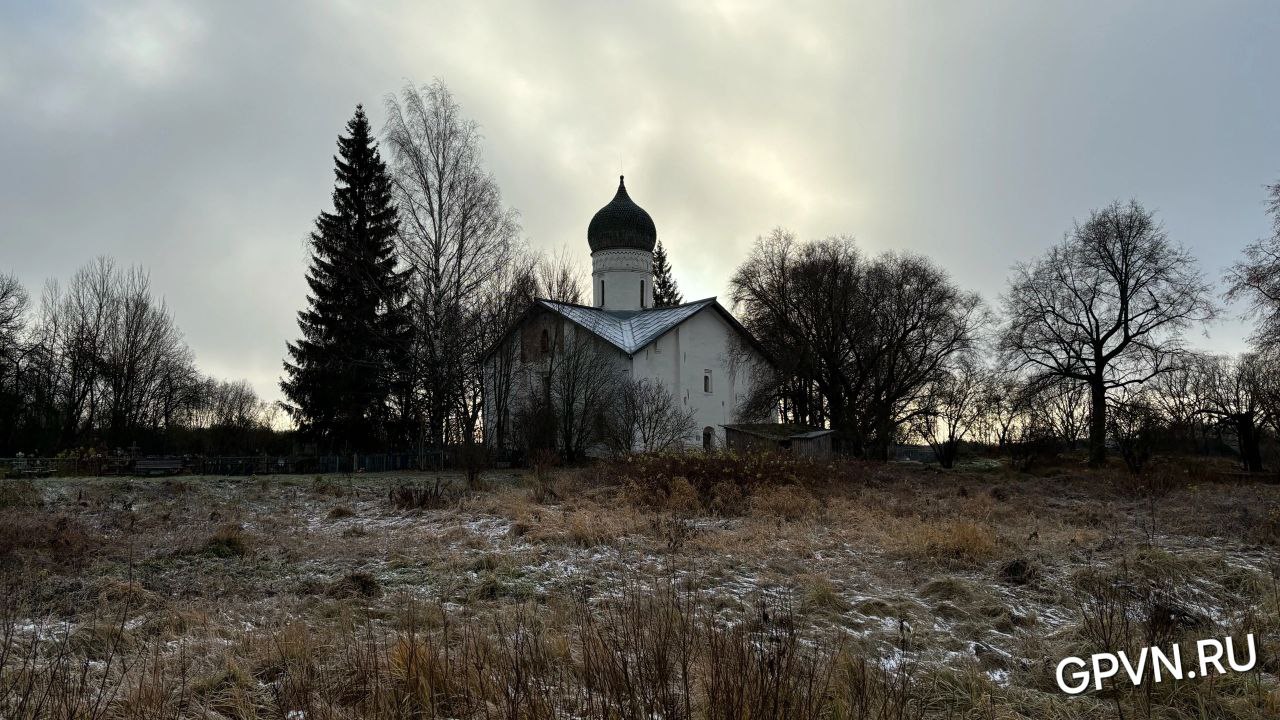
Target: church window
(601, 293)
(545, 341)
(706, 381)
(641, 294)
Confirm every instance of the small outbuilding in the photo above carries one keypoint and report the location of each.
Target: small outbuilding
(801, 440)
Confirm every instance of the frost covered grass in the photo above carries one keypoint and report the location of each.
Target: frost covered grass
(833, 591)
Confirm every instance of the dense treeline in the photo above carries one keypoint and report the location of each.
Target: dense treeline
(98, 364)
(1088, 346)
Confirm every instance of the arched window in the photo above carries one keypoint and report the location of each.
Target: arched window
(708, 437)
(641, 294)
(706, 381)
(545, 342)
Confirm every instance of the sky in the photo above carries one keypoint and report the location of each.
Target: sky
(196, 138)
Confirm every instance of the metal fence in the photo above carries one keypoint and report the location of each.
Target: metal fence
(248, 465)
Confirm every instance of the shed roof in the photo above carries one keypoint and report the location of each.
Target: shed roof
(780, 431)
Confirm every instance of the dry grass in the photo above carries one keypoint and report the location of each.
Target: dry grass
(950, 541)
(803, 591)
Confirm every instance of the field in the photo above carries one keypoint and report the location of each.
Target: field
(658, 588)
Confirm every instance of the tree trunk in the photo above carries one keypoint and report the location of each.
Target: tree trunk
(947, 453)
(1097, 422)
(1250, 451)
(879, 447)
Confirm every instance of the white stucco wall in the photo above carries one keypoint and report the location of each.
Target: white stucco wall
(619, 277)
(679, 360)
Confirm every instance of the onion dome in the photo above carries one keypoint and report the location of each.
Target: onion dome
(621, 224)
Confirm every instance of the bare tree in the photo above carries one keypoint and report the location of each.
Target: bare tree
(1176, 396)
(1106, 307)
(142, 348)
(559, 278)
(1060, 406)
(456, 235)
(13, 307)
(1256, 279)
(951, 409)
(582, 379)
(1133, 422)
(646, 417)
(1234, 391)
(509, 295)
(103, 362)
(855, 342)
(1004, 403)
(915, 326)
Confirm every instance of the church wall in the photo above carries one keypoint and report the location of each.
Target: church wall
(528, 351)
(679, 360)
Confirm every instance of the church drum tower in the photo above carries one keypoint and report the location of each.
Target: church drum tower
(622, 237)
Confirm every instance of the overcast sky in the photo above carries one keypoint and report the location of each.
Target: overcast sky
(196, 139)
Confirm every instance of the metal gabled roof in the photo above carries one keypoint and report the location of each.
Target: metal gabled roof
(630, 332)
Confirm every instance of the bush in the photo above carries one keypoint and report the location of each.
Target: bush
(63, 538)
(1019, 571)
(474, 460)
(723, 481)
(407, 496)
(19, 494)
(228, 542)
(327, 487)
(1037, 447)
(961, 541)
(356, 584)
(788, 502)
(341, 511)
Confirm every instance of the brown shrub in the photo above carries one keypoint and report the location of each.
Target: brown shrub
(407, 496)
(101, 640)
(683, 497)
(1265, 528)
(117, 593)
(341, 511)
(353, 584)
(62, 537)
(962, 541)
(724, 481)
(788, 502)
(327, 487)
(1019, 571)
(673, 530)
(820, 594)
(228, 542)
(19, 494)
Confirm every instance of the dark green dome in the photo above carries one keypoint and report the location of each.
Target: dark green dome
(622, 224)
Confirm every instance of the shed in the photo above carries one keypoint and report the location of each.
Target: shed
(801, 440)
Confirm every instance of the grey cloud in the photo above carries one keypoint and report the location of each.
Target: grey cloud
(195, 138)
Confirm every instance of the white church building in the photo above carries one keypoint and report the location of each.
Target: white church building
(697, 350)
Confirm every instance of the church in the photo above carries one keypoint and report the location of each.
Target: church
(697, 351)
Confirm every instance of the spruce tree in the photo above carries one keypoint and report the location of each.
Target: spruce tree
(353, 353)
(665, 291)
